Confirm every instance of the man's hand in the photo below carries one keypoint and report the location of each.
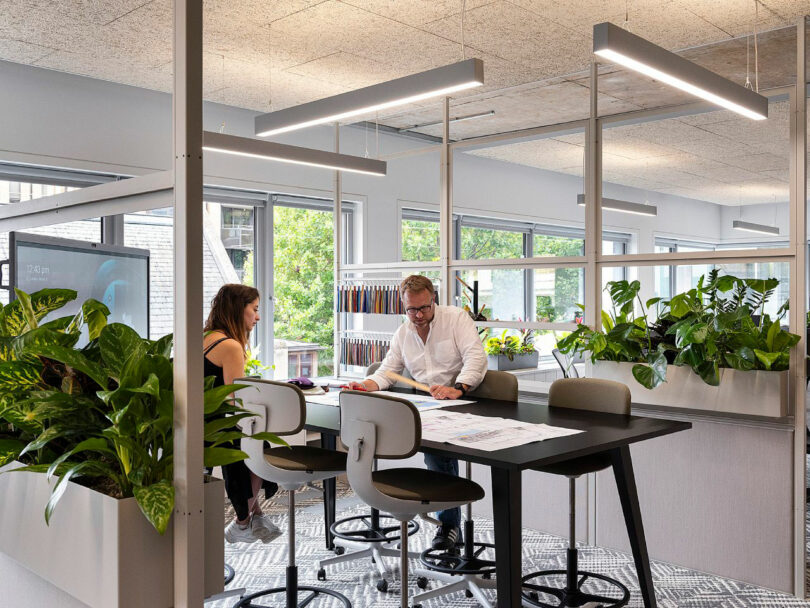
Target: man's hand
(365, 385)
(445, 392)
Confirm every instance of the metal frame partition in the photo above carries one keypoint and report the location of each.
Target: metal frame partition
(183, 186)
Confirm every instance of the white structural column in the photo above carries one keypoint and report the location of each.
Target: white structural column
(593, 207)
(446, 237)
(337, 222)
(189, 546)
(593, 247)
(798, 299)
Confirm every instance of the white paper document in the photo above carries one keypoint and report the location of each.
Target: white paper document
(484, 432)
(422, 402)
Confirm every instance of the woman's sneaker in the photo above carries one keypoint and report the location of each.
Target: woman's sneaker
(264, 529)
(235, 533)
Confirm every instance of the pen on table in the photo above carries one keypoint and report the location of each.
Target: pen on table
(352, 389)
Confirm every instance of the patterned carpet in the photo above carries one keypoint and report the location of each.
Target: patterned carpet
(260, 566)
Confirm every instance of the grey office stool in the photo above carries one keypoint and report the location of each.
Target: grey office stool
(375, 426)
(467, 572)
(280, 408)
(597, 396)
(373, 539)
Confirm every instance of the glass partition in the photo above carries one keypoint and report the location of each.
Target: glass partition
(518, 198)
(713, 180)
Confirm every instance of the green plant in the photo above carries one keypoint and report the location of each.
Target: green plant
(707, 328)
(510, 346)
(253, 365)
(102, 413)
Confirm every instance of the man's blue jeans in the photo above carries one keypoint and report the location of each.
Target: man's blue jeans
(448, 517)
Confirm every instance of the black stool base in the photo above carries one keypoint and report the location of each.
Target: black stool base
(314, 592)
(465, 562)
(229, 574)
(373, 532)
(572, 597)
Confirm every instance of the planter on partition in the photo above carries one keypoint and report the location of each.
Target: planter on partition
(502, 362)
(99, 549)
(758, 393)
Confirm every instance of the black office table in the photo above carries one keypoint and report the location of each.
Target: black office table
(604, 432)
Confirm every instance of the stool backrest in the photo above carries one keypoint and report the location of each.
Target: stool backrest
(592, 394)
(502, 386)
(398, 427)
(278, 407)
(372, 369)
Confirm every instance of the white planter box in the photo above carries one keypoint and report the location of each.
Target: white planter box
(100, 550)
(758, 393)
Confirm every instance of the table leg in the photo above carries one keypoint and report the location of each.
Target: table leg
(626, 484)
(329, 442)
(506, 508)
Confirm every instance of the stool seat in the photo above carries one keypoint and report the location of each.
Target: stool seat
(305, 458)
(578, 466)
(425, 486)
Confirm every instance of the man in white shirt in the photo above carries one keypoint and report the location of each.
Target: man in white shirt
(440, 347)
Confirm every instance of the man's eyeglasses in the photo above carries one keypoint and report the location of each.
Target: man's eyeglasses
(413, 310)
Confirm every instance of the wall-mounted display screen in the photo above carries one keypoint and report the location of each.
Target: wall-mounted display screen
(116, 276)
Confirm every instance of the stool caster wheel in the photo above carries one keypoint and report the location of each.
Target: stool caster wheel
(421, 582)
(340, 550)
(382, 585)
(534, 596)
(468, 593)
(486, 575)
(373, 561)
(417, 606)
(322, 574)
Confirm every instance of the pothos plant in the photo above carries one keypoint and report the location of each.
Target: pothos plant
(101, 413)
(721, 323)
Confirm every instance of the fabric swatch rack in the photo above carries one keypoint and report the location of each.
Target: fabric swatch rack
(362, 348)
(374, 296)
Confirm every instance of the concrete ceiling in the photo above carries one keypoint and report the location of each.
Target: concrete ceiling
(718, 156)
(277, 53)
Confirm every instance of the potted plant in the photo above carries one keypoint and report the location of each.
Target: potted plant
(511, 352)
(711, 347)
(90, 429)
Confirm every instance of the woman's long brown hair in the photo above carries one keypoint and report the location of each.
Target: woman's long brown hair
(228, 311)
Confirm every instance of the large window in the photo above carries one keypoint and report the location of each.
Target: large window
(303, 271)
(670, 280)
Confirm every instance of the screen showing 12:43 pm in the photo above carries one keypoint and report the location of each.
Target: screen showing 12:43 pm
(116, 276)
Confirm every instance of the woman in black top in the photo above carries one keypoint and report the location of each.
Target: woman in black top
(234, 313)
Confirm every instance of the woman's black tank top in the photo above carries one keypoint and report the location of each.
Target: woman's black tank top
(211, 369)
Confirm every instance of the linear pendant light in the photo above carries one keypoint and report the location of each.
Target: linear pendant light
(614, 204)
(246, 146)
(752, 227)
(620, 46)
(416, 87)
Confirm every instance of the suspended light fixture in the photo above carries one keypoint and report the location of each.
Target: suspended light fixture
(438, 82)
(255, 148)
(613, 204)
(620, 46)
(752, 227)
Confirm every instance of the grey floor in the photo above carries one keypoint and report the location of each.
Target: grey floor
(260, 566)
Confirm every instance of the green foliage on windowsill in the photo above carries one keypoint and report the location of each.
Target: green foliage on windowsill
(102, 413)
(510, 346)
(706, 328)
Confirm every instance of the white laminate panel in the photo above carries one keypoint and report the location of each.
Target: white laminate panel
(716, 498)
